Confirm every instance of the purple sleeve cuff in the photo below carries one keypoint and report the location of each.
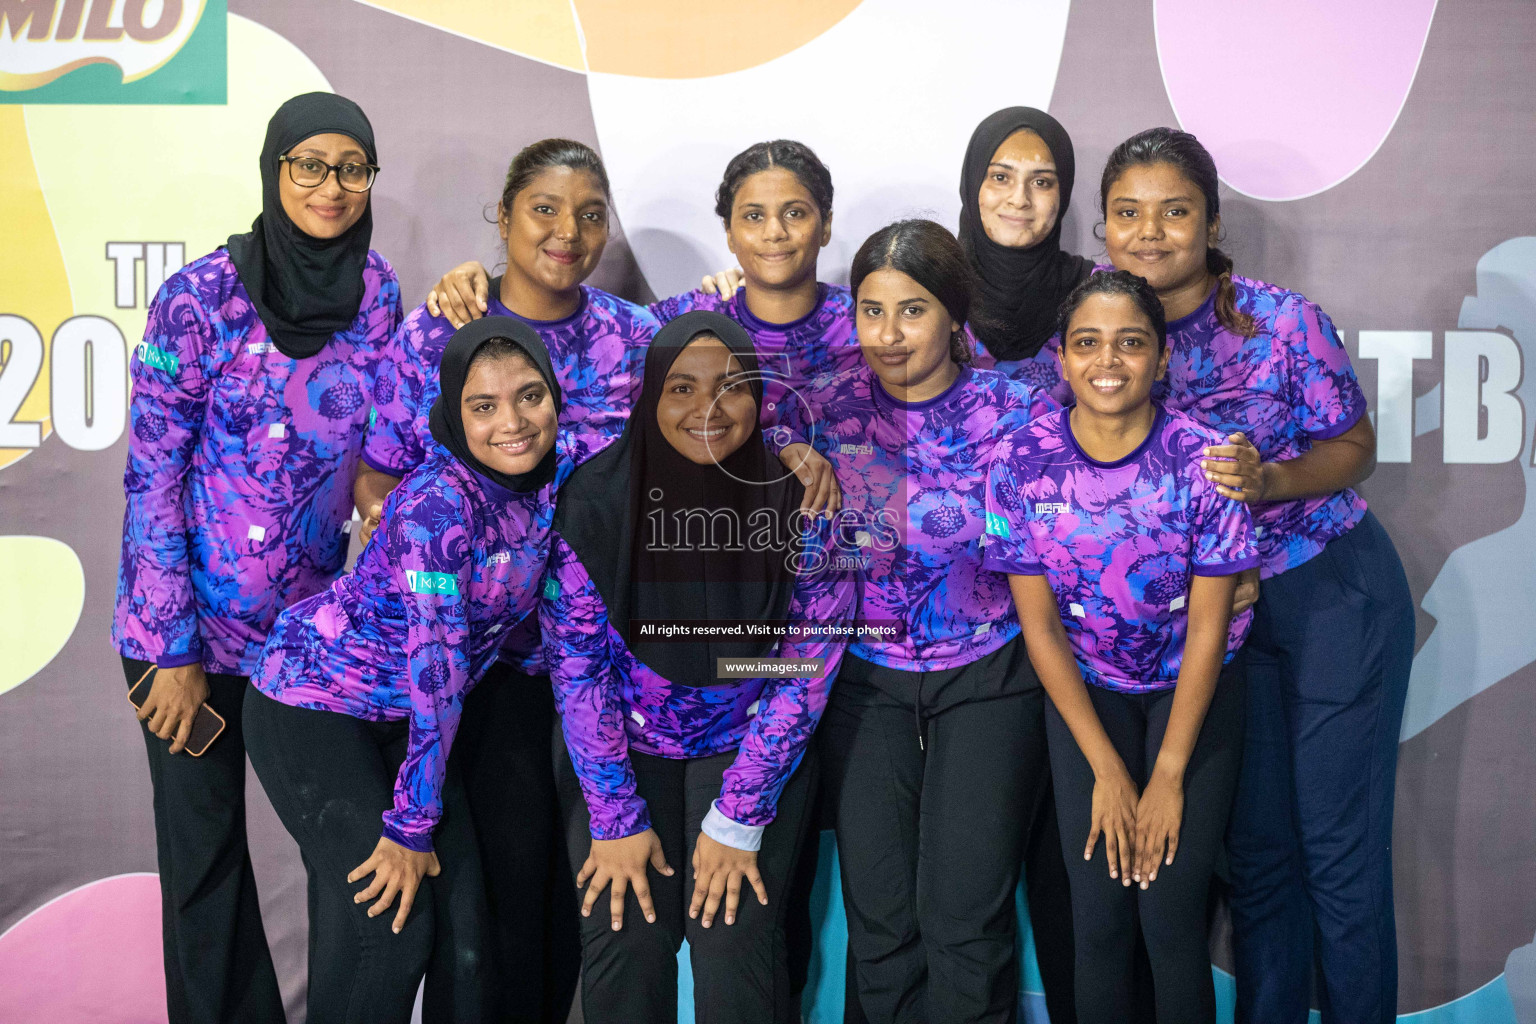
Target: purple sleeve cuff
(1227, 568)
(178, 660)
(1011, 566)
(420, 844)
(779, 437)
(617, 829)
(1343, 426)
(380, 467)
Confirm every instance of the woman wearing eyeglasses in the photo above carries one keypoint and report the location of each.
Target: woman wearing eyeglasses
(250, 399)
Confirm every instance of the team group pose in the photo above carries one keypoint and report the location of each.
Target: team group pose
(997, 562)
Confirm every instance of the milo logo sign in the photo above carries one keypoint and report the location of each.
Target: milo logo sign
(112, 51)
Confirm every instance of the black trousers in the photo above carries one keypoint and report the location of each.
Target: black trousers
(740, 971)
(504, 756)
(330, 778)
(1171, 914)
(217, 965)
(932, 808)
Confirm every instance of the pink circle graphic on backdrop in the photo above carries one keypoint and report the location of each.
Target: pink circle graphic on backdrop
(1290, 96)
(92, 954)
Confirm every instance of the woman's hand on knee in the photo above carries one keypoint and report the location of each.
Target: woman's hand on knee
(619, 864)
(1114, 816)
(1158, 816)
(717, 872)
(396, 871)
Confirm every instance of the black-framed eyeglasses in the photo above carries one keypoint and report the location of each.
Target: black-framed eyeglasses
(310, 172)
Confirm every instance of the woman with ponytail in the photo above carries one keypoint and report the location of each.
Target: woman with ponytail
(933, 742)
(1332, 640)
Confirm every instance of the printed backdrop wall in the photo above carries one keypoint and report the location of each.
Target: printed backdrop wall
(1376, 155)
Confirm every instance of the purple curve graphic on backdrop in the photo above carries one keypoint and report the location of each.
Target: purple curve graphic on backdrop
(1297, 125)
(91, 954)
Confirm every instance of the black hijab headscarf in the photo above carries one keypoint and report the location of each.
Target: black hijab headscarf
(611, 504)
(447, 416)
(1021, 289)
(305, 289)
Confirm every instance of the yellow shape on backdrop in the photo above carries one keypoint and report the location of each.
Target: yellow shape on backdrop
(161, 173)
(32, 281)
(542, 29)
(684, 39)
(42, 589)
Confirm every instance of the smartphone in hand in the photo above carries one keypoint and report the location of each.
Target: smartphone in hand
(206, 727)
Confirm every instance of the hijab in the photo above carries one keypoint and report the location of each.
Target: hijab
(305, 289)
(447, 416)
(612, 504)
(1020, 289)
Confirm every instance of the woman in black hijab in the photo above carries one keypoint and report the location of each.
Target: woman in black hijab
(360, 693)
(1015, 187)
(302, 261)
(249, 405)
(670, 547)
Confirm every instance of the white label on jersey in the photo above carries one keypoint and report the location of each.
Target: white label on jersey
(1176, 603)
(1077, 609)
(257, 533)
(277, 430)
(639, 718)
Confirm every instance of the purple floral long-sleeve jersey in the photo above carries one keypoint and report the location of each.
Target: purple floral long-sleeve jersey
(610, 703)
(240, 467)
(455, 565)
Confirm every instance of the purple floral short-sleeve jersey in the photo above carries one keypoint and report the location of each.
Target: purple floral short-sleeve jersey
(456, 564)
(789, 355)
(1119, 542)
(598, 353)
(914, 480)
(1041, 370)
(240, 467)
(610, 703)
(1285, 387)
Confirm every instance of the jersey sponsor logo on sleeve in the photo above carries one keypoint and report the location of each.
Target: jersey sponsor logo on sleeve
(445, 583)
(1051, 508)
(856, 449)
(499, 558)
(160, 359)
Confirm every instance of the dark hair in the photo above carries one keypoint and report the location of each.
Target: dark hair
(498, 348)
(1118, 282)
(1183, 152)
(578, 156)
(928, 254)
(795, 157)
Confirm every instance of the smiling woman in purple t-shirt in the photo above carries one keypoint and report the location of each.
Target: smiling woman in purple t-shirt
(1332, 642)
(1123, 560)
